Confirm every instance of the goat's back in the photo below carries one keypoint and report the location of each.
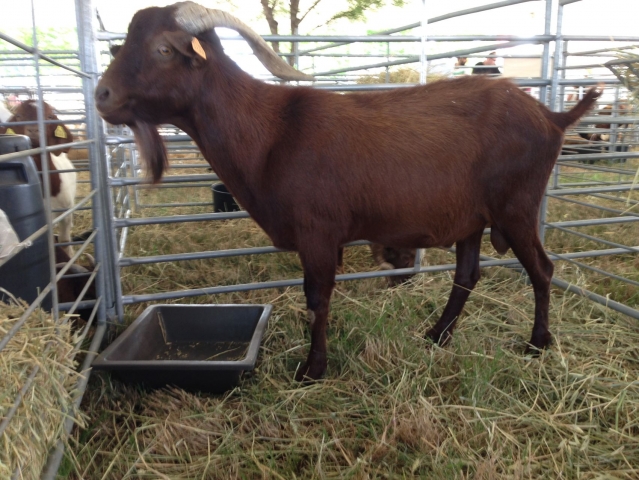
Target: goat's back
(425, 161)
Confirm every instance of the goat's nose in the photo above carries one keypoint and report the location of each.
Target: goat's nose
(102, 94)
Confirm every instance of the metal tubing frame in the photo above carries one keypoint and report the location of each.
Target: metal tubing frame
(111, 211)
(96, 275)
(132, 299)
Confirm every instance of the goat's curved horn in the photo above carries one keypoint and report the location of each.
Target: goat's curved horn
(195, 19)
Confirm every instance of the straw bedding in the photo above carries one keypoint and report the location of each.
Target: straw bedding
(48, 348)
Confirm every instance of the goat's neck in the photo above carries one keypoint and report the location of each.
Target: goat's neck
(54, 176)
(234, 128)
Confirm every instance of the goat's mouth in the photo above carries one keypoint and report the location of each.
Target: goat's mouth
(117, 115)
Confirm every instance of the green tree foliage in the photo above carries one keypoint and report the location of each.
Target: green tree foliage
(297, 11)
(356, 10)
(54, 38)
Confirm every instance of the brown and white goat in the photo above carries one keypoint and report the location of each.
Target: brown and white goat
(610, 111)
(63, 183)
(316, 169)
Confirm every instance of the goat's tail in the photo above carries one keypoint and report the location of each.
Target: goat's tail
(565, 119)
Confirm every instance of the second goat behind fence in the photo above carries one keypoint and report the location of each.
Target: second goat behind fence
(316, 169)
(62, 182)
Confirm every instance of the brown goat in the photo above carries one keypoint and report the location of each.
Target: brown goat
(63, 185)
(316, 169)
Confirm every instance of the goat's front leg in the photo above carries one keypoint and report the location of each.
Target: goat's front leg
(319, 280)
(65, 233)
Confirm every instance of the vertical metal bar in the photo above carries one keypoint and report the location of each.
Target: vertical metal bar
(423, 76)
(388, 60)
(133, 158)
(101, 205)
(552, 104)
(422, 58)
(46, 180)
(613, 126)
(117, 167)
(295, 49)
(418, 260)
(545, 57)
(564, 61)
(554, 83)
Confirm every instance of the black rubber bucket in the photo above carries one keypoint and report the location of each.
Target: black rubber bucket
(26, 274)
(223, 201)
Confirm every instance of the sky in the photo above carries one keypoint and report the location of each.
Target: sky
(587, 17)
(597, 17)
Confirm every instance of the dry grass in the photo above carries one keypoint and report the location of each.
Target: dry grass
(391, 406)
(48, 348)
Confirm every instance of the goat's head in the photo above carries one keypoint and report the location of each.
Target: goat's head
(57, 133)
(157, 74)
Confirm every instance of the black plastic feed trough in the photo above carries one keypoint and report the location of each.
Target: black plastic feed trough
(194, 347)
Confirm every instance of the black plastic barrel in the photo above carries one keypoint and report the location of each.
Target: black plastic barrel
(26, 274)
(223, 201)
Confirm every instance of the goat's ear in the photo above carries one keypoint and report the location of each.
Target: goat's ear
(114, 49)
(187, 45)
(8, 130)
(61, 135)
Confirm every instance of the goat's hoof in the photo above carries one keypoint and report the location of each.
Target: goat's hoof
(537, 344)
(308, 373)
(439, 338)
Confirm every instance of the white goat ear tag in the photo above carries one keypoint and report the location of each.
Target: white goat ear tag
(10, 131)
(197, 46)
(59, 132)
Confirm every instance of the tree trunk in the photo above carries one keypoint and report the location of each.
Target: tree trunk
(269, 13)
(295, 23)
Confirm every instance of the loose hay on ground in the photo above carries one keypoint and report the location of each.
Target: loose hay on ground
(43, 345)
(391, 407)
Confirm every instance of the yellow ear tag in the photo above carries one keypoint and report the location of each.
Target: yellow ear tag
(10, 131)
(59, 132)
(197, 46)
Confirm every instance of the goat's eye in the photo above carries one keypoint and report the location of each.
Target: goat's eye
(164, 50)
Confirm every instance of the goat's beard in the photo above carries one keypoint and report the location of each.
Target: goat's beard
(151, 148)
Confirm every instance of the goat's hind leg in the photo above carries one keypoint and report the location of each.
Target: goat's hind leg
(319, 281)
(467, 274)
(530, 252)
